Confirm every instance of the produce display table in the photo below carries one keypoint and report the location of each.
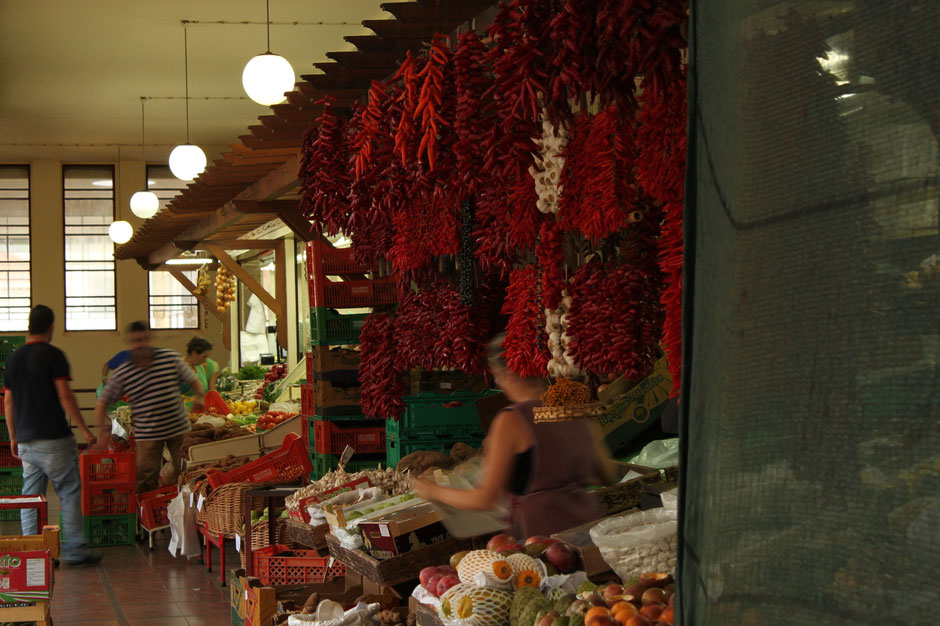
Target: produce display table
(269, 495)
(311, 537)
(399, 569)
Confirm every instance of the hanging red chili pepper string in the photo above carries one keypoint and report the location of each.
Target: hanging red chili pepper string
(380, 372)
(323, 173)
(525, 348)
(661, 135)
(549, 252)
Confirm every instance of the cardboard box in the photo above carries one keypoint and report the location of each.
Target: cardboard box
(303, 516)
(260, 605)
(338, 517)
(25, 576)
(336, 364)
(263, 603)
(48, 540)
(236, 585)
(402, 531)
(630, 412)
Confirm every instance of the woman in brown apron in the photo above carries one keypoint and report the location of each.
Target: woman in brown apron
(544, 467)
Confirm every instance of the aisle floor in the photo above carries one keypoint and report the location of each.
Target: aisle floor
(133, 585)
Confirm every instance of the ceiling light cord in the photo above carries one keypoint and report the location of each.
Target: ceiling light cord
(186, 74)
(267, 22)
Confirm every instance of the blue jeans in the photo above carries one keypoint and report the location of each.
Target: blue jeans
(56, 460)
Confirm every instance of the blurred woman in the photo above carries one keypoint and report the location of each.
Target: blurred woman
(197, 357)
(543, 467)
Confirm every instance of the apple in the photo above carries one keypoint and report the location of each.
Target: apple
(562, 557)
(446, 582)
(634, 593)
(660, 579)
(535, 550)
(425, 575)
(499, 540)
(447, 569)
(510, 547)
(432, 583)
(595, 600)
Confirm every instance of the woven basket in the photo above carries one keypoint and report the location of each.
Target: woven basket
(201, 489)
(567, 413)
(224, 508)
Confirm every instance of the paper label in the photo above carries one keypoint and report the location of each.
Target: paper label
(347, 454)
(35, 572)
(383, 530)
(200, 502)
(174, 546)
(192, 499)
(238, 543)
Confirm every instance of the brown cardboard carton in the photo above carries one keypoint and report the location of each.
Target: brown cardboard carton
(403, 530)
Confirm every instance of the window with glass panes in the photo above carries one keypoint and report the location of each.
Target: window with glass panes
(90, 298)
(171, 305)
(14, 248)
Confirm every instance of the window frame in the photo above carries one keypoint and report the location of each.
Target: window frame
(199, 318)
(65, 272)
(29, 214)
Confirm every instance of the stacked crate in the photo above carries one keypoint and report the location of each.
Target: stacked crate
(331, 396)
(434, 422)
(109, 485)
(11, 468)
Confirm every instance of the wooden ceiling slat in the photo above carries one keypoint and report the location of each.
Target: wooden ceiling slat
(327, 83)
(341, 72)
(371, 60)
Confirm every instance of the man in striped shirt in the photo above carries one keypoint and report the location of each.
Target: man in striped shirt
(151, 379)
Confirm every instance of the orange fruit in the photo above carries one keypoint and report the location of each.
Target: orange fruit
(597, 611)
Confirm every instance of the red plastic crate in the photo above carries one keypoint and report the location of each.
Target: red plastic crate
(106, 500)
(111, 469)
(6, 456)
(152, 506)
(308, 397)
(308, 360)
(325, 260)
(325, 293)
(330, 438)
(279, 565)
(288, 463)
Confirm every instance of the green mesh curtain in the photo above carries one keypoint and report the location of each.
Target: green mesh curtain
(810, 416)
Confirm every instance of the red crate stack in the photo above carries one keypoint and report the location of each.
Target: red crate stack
(109, 484)
(332, 438)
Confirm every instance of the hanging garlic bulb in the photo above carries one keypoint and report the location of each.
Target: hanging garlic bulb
(562, 364)
(548, 165)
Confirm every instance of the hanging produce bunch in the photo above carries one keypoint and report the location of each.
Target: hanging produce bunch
(225, 284)
(203, 282)
(547, 154)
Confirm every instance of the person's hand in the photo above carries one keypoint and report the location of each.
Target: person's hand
(424, 488)
(90, 438)
(13, 449)
(99, 445)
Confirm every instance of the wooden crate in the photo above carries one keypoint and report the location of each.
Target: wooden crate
(38, 613)
(401, 569)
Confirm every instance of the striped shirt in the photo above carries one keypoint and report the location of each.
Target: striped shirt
(154, 393)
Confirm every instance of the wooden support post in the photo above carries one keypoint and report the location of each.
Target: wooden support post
(280, 291)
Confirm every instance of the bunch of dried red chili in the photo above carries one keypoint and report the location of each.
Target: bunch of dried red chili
(380, 371)
(525, 349)
(323, 173)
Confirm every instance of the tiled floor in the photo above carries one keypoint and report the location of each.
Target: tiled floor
(133, 585)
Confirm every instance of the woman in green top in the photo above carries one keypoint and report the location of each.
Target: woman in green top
(197, 357)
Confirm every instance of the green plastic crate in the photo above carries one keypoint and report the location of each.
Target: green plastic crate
(110, 530)
(4, 432)
(10, 516)
(396, 449)
(236, 620)
(8, 345)
(335, 329)
(11, 481)
(426, 415)
(325, 463)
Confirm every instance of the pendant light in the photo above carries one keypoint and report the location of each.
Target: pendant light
(120, 231)
(187, 161)
(144, 203)
(267, 77)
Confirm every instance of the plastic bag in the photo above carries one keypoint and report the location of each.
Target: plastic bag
(659, 454)
(348, 498)
(184, 538)
(360, 615)
(424, 596)
(286, 407)
(212, 420)
(636, 543)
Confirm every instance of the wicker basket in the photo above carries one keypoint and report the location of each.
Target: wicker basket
(201, 490)
(223, 510)
(567, 413)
